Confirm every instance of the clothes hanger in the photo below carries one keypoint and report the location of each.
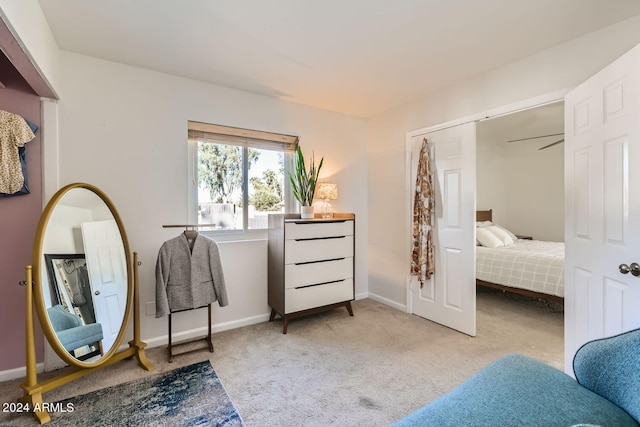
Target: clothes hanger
(191, 234)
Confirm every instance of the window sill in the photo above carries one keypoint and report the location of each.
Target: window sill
(235, 235)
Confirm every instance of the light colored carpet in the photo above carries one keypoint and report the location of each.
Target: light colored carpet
(332, 369)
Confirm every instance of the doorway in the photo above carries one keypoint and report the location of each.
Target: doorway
(520, 171)
(531, 116)
(520, 178)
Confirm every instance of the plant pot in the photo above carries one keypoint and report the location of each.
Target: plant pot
(306, 212)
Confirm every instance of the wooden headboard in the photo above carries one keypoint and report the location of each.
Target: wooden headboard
(484, 215)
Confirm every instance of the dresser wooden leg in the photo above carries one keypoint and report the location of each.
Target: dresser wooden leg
(273, 315)
(349, 309)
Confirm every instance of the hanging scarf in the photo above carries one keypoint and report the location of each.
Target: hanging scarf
(422, 260)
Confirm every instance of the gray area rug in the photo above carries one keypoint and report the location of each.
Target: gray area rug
(189, 396)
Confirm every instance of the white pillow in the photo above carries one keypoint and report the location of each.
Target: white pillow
(483, 223)
(501, 234)
(513, 236)
(487, 238)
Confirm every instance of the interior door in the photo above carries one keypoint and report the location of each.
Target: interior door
(106, 265)
(449, 297)
(602, 198)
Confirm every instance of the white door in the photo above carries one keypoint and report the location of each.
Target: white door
(449, 298)
(602, 222)
(107, 268)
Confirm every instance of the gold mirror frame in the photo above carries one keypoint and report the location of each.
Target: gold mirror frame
(34, 287)
(39, 269)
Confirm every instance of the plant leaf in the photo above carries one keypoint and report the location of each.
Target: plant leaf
(304, 182)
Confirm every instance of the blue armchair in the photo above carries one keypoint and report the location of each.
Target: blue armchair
(70, 330)
(519, 391)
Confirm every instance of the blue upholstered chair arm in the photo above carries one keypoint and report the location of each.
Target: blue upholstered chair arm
(80, 336)
(610, 367)
(70, 330)
(517, 391)
(61, 319)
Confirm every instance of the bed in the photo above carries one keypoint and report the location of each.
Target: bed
(523, 266)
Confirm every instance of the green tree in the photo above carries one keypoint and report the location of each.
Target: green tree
(268, 191)
(220, 170)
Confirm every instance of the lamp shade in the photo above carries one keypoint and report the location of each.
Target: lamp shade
(327, 191)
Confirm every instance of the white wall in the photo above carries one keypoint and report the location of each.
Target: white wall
(491, 187)
(552, 70)
(123, 129)
(535, 192)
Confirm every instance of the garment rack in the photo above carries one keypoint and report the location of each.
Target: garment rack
(190, 227)
(206, 338)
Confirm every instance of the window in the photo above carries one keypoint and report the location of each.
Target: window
(238, 176)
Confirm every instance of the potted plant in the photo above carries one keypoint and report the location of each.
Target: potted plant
(304, 182)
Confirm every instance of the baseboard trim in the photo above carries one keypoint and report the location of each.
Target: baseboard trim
(362, 295)
(194, 333)
(387, 301)
(21, 372)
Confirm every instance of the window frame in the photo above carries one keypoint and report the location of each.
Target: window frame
(244, 138)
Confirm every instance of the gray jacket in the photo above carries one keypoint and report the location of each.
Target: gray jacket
(187, 279)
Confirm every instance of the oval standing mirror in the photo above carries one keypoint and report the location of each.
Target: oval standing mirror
(83, 282)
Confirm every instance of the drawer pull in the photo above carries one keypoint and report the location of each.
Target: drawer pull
(319, 284)
(316, 222)
(319, 238)
(320, 260)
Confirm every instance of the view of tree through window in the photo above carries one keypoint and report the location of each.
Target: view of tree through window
(230, 176)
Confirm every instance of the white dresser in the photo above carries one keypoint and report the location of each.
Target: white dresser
(311, 263)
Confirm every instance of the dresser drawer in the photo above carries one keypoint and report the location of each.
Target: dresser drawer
(317, 272)
(297, 299)
(296, 251)
(317, 229)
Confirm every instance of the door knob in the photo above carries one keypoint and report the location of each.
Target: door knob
(98, 292)
(634, 268)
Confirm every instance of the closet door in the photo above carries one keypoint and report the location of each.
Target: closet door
(602, 214)
(107, 268)
(449, 297)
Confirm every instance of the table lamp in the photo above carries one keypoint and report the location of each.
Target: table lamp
(327, 192)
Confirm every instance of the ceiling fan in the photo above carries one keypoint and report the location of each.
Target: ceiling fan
(541, 136)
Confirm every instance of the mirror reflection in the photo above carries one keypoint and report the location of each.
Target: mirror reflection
(85, 283)
(72, 315)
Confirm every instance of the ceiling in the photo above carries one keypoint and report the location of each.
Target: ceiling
(534, 123)
(358, 57)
